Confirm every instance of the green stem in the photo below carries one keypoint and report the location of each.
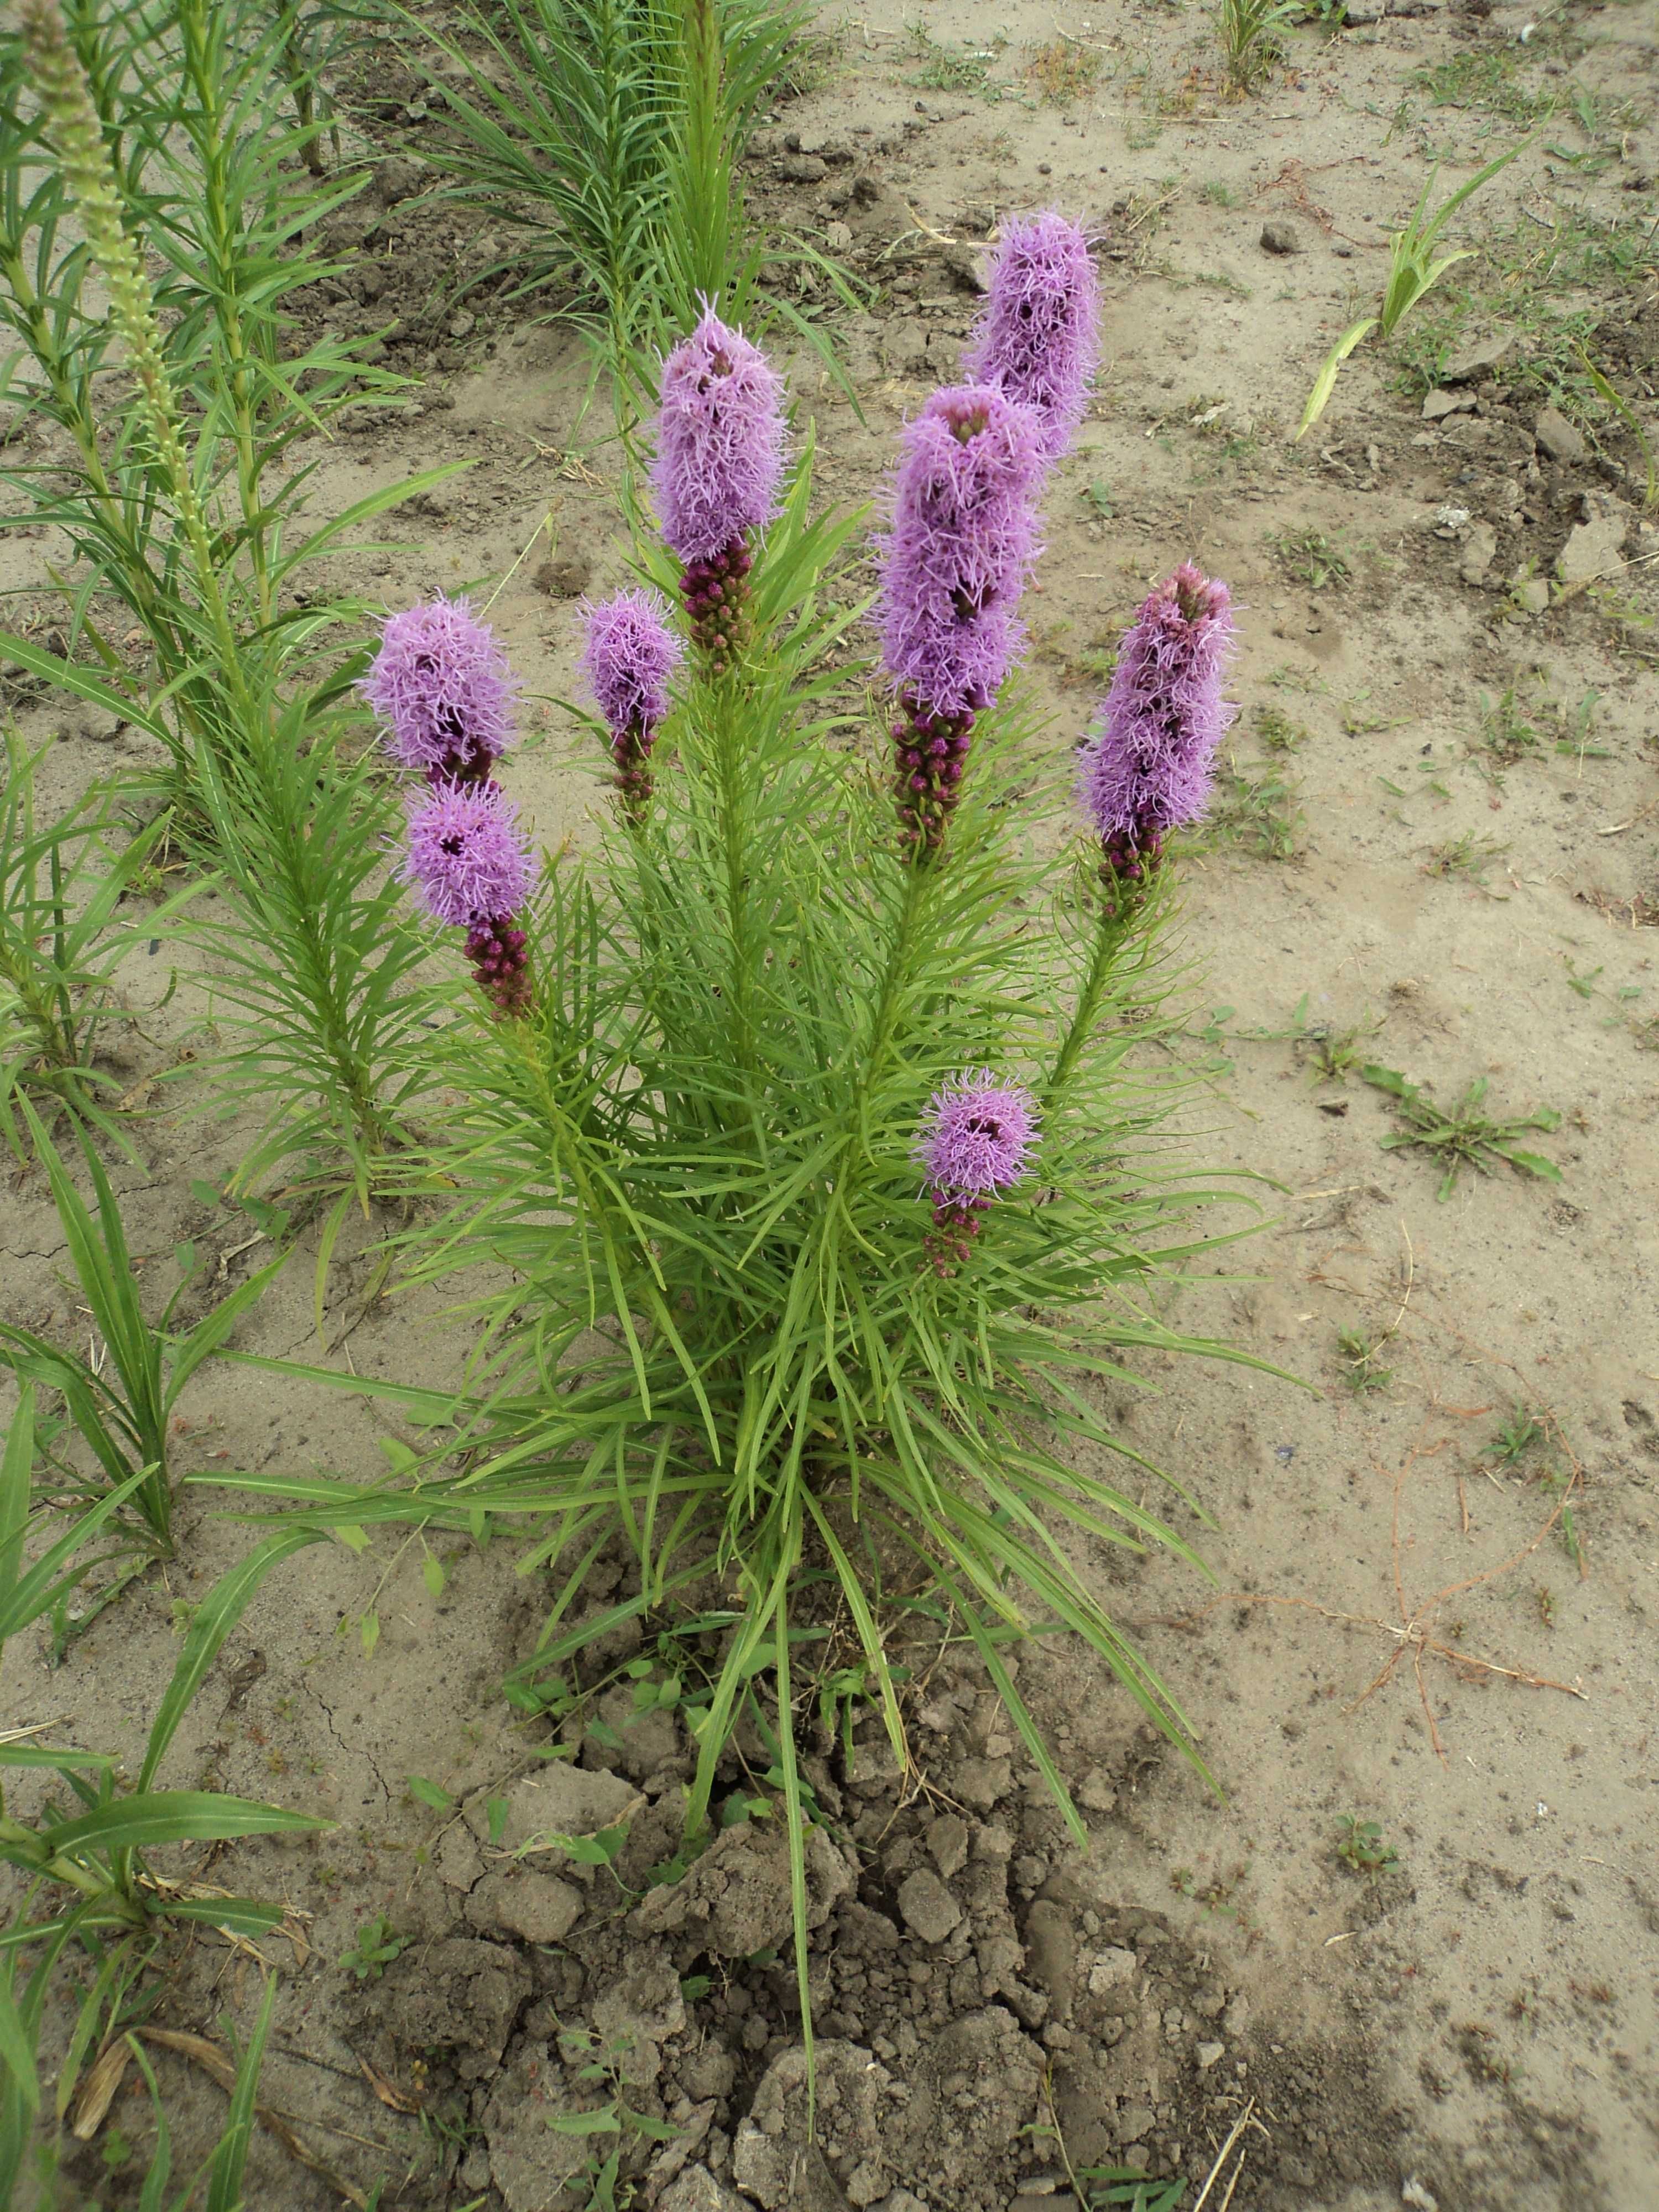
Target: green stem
(1110, 939)
(204, 62)
(732, 790)
(920, 877)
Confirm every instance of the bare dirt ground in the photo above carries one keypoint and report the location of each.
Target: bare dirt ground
(1434, 852)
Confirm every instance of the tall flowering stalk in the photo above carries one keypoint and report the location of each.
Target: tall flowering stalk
(962, 540)
(628, 658)
(1146, 770)
(976, 1142)
(718, 463)
(73, 126)
(444, 690)
(1038, 339)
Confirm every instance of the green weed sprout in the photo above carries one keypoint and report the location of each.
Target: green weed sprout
(1462, 1135)
(1251, 33)
(86, 1878)
(1360, 1846)
(61, 940)
(377, 1944)
(1413, 270)
(1362, 1371)
(120, 1400)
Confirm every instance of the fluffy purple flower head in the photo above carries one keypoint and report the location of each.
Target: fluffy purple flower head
(1146, 770)
(628, 658)
(467, 858)
(442, 686)
(976, 1135)
(962, 540)
(1038, 339)
(720, 441)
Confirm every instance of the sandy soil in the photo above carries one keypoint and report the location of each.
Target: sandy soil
(1432, 854)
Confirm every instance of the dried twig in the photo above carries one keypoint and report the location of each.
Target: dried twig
(104, 2078)
(1412, 1633)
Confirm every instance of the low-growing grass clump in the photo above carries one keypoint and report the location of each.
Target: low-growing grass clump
(1064, 71)
(1464, 1133)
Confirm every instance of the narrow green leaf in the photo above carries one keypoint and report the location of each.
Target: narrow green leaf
(16, 2046)
(1325, 382)
(211, 1622)
(173, 1816)
(243, 1916)
(229, 2160)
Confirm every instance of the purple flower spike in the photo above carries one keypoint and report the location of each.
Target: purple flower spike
(977, 1135)
(1038, 339)
(962, 540)
(629, 656)
(1146, 770)
(976, 1138)
(441, 686)
(719, 441)
(467, 858)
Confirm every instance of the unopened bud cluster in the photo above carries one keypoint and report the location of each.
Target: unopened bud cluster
(716, 592)
(950, 1242)
(931, 756)
(498, 951)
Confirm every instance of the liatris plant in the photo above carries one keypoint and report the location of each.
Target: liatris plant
(734, 1325)
(976, 1142)
(1035, 341)
(628, 658)
(605, 144)
(962, 539)
(175, 157)
(718, 463)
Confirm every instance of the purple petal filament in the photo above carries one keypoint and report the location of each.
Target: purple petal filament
(628, 658)
(1038, 339)
(976, 1139)
(467, 858)
(977, 1135)
(629, 655)
(719, 441)
(442, 687)
(1146, 770)
(962, 539)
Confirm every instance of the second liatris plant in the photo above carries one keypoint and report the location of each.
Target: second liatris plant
(823, 1233)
